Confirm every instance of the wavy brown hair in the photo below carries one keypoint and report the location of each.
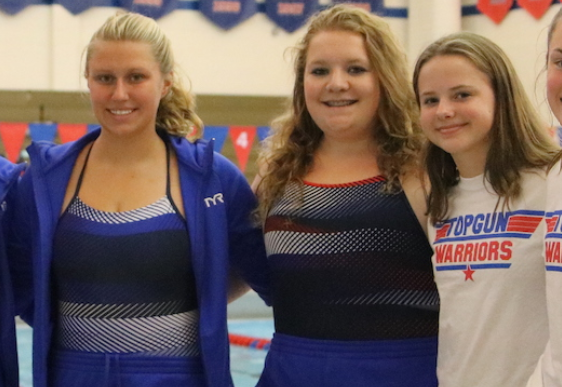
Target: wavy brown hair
(288, 152)
(176, 113)
(519, 139)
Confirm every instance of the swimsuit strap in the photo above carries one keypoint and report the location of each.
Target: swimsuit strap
(81, 177)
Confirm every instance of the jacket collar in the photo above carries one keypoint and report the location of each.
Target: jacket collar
(9, 171)
(197, 156)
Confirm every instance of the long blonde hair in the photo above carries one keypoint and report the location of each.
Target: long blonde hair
(288, 152)
(176, 113)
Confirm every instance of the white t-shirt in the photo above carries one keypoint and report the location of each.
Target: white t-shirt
(490, 274)
(551, 362)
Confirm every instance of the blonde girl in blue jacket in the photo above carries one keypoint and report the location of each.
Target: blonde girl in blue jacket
(131, 233)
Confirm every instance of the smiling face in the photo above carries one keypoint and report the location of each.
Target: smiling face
(341, 88)
(457, 105)
(554, 73)
(126, 86)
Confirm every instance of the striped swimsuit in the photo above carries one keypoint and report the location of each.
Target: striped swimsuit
(125, 292)
(352, 278)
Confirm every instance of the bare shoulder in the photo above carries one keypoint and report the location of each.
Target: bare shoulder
(416, 188)
(262, 169)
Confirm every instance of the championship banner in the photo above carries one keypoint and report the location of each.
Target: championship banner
(228, 13)
(42, 132)
(495, 9)
(263, 132)
(290, 14)
(71, 132)
(537, 8)
(13, 136)
(77, 6)
(12, 7)
(218, 133)
(151, 8)
(243, 139)
(373, 6)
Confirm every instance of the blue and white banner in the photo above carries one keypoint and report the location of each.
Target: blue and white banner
(77, 6)
(373, 6)
(290, 14)
(151, 8)
(228, 13)
(12, 7)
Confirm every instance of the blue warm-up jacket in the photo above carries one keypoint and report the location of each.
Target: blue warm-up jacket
(9, 174)
(217, 201)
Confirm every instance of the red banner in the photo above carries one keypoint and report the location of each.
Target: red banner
(537, 8)
(71, 132)
(13, 136)
(243, 139)
(495, 9)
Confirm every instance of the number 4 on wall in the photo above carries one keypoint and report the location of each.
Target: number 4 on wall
(243, 139)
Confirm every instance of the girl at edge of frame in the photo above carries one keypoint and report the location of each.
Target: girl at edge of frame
(486, 160)
(342, 199)
(9, 370)
(131, 234)
(549, 370)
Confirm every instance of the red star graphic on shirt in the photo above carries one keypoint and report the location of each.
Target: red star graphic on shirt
(468, 274)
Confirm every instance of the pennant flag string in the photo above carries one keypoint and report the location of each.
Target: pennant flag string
(537, 8)
(495, 9)
(218, 133)
(243, 139)
(13, 136)
(263, 132)
(71, 132)
(42, 131)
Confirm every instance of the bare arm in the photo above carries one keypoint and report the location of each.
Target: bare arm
(416, 188)
(237, 287)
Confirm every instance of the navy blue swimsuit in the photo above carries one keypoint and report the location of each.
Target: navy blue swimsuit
(354, 299)
(123, 281)
(350, 262)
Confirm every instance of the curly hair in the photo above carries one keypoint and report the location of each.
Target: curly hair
(287, 153)
(176, 113)
(518, 137)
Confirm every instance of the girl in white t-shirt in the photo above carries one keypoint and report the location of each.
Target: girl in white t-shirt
(486, 159)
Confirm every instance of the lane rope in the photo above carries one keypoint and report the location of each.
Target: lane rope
(248, 341)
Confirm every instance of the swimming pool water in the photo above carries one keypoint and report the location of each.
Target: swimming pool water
(246, 363)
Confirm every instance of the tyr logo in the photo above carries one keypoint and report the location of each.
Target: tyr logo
(214, 200)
